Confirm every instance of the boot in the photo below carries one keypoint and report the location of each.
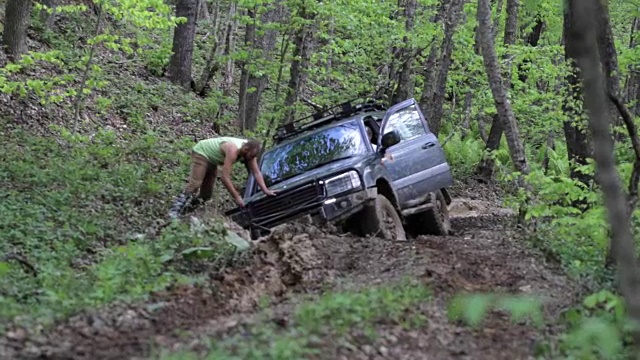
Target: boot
(192, 204)
(179, 205)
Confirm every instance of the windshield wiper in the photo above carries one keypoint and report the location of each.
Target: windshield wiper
(329, 162)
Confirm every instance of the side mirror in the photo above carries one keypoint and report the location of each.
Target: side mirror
(389, 139)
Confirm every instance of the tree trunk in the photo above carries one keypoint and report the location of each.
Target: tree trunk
(48, 16)
(503, 106)
(405, 80)
(264, 43)
(466, 114)
(532, 39)
(430, 67)
(496, 20)
(183, 37)
(633, 82)
(297, 73)
(582, 41)
(249, 43)
(578, 147)
(203, 10)
(17, 20)
(437, 102)
(213, 65)
(486, 167)
(608, 57)
(484, 171)
(229, 47)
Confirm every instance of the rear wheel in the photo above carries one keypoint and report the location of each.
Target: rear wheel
(382, 220)
(434, 221)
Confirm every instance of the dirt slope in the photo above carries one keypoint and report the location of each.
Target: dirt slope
(482, 255)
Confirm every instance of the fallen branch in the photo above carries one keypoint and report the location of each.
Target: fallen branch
(22, 261)
(448, 138)
(635, 143)
(315, 106)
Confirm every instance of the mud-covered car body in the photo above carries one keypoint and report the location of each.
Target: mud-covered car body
(329, 169)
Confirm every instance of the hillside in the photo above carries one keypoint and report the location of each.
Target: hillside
(91, 266)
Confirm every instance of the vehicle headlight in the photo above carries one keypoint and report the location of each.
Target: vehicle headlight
(341, 183)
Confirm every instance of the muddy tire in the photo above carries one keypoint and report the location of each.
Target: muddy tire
(382, 220)
(434, 221)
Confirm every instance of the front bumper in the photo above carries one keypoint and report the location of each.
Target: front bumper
(333, 209)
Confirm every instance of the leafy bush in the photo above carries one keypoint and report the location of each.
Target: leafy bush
(70, 210)
(462, 154)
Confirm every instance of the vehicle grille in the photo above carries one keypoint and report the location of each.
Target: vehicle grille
(287, 203)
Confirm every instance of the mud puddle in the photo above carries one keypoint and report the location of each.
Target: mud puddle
(482, 255)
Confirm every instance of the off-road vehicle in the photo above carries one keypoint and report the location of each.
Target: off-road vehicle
(388, 180)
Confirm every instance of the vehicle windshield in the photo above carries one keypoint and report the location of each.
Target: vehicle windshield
(312, 151)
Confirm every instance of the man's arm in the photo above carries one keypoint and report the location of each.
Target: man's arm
(255, 170)
(230, 155)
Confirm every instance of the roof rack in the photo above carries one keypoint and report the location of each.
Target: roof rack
(328, 115)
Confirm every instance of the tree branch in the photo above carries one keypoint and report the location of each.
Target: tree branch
(312, 104)
(22, 261)
(635, 143)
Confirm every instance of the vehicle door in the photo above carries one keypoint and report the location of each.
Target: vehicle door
(417, 164)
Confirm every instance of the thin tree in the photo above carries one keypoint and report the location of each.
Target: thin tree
(454, 15)
(405, 54)
(576, 137)
(503, 106)
(183, 37)
(48, 14)
(301, 56)
(582, 41)
(17, 20)
(486, 167)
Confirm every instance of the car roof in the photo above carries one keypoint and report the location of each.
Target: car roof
(320, 129)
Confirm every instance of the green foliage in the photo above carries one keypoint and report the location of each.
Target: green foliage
(598, 328)
(330, 316)
(463, 155)
(56, 86)
(473, 308)
(341, 312)
(70, 210)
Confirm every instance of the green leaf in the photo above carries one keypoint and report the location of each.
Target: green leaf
(198, 253)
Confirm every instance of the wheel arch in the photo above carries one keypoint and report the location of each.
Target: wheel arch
(385, 189)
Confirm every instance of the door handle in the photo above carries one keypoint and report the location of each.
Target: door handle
(428, 145)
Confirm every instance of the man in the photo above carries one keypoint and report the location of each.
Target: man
(206, 156)
(370, 136)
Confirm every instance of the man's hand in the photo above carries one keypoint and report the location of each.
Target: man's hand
(239, 202)
(270, 192)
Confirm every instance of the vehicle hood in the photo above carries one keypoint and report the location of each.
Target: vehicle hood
(357, 162)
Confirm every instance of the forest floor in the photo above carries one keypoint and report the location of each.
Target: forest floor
(313, 293)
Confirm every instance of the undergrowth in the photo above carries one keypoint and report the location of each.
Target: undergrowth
(77, 221)
(568, 224)
(313, 322)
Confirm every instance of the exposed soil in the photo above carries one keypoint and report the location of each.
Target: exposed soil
(484, 254)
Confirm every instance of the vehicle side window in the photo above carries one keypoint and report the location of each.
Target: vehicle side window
(407, 122)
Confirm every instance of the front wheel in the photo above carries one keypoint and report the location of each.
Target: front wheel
(382, 220)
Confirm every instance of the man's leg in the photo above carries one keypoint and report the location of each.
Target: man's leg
(199, 165)
(206, 189)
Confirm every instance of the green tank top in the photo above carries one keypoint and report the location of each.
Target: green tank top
(210, 148)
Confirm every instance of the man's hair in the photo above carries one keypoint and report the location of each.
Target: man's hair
(253, 146)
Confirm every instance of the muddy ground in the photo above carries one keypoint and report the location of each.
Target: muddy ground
(484, 254)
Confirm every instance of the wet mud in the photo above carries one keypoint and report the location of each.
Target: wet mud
(483, 254)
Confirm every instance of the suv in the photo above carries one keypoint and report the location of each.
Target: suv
(388, 180)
